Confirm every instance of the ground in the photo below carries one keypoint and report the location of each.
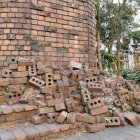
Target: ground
(119, 133)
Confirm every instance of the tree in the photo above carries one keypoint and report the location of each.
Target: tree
(114, 23)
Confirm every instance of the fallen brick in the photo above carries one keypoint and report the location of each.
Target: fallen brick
(39, 119)
(94, 103)
(131, 118)
(85, 118)
(45, 110)
(112, 121)
(54, 102)
(96, 128)
(71, 118)
(60, 107)
(37, 82)
(99, 110)
(62, 117)
(4, 82)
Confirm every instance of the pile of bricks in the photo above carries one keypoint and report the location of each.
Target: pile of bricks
(70, 94)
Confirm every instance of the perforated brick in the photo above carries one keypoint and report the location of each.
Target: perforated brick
(94, 103)
(37, 82)
(6, 73)
(112, 121)
(52, 117)
(85, 95)
(32, 70)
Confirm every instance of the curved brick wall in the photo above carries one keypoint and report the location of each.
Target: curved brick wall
(55, 31)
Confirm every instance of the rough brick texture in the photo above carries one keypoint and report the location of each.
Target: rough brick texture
(52, 31)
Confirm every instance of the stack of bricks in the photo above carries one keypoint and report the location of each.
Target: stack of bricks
(39, 93)
(53, 31)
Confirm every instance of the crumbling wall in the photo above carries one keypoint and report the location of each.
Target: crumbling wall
(52, 31)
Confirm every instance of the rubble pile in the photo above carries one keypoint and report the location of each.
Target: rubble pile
(70, 94)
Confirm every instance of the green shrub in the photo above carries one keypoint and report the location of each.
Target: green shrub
(129, 75)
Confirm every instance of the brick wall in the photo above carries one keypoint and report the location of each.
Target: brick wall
(54, 31)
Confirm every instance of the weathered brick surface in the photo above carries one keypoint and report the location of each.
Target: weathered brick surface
(48, 31)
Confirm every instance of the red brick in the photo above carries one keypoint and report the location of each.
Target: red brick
(60, 107)
(112, 121)
(85, 118)
(131, 117)
(96, 128)
(94, 103)
(99, 110)
(4, 82)
(62, 117)
(38, 119)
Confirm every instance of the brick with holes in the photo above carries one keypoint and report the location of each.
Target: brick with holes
(90, 79)
(117, 113)
(96, 87)
(99, 110)
(85, 96)
(94, 103)
(119, 85)
(96, 128)
(117, 102)
(12, 60)
(60, 107)
(49, 79)
(38, 119)
(37, 82)
(122, 94)
(6, 73)
(52, 117)
(131, 117)
(62, 117)
(32, 70)
(85, 118)
(130, 86)
(112, 121)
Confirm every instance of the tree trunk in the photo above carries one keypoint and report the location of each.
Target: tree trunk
(118, 55)
(99, 41)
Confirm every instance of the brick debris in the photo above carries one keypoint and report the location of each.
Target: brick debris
(33, 92)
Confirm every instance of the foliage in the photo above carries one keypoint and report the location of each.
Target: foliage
(129, 75)
(115, 21)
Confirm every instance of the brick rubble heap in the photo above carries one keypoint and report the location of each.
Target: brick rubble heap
(39, 93)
